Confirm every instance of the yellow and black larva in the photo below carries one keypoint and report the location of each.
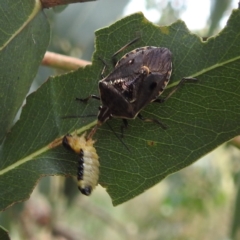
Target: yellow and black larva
(88, 164)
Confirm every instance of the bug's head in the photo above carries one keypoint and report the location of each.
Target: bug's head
(104, 114)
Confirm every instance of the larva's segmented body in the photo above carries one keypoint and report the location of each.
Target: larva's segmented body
(88, 164)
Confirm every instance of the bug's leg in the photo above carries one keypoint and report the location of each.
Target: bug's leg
(104, 67)
(114, 60)
(119, 138)
(123, 126)
(183, 80)
(163, 126)
(86, 99)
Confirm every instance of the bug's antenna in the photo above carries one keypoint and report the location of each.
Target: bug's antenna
(78, 116)
(125, 46)
(124, 144)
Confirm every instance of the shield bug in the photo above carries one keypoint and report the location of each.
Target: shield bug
(88, 164)
(137, 79)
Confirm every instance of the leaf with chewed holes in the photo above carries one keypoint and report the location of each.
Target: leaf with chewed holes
(199, 116)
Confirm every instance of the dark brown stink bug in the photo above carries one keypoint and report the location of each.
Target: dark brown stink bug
(137, 79)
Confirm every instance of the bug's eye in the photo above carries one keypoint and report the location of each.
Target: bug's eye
(153, 85)
(131, 61)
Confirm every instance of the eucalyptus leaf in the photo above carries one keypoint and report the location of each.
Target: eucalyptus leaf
(23, 41)
(4, 234)
(199, 116)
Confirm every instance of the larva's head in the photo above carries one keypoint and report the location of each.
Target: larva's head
(65, 142)
(87, 190)
(74, 143)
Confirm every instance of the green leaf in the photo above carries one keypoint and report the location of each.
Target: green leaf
(23, 41)
(4, 234)
(199, 116)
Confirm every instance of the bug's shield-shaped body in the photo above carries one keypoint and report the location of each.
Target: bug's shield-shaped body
(88, 164)
(138, 78)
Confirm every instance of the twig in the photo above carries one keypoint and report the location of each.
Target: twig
(63, 62)
(236, 142)
(54, 3)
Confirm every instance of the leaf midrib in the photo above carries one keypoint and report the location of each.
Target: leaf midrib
(33, 155)
(205, 70)
(36, 9)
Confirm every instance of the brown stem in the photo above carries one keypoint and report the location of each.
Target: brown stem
(236, 142)
(54, 3)
(63, 62)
